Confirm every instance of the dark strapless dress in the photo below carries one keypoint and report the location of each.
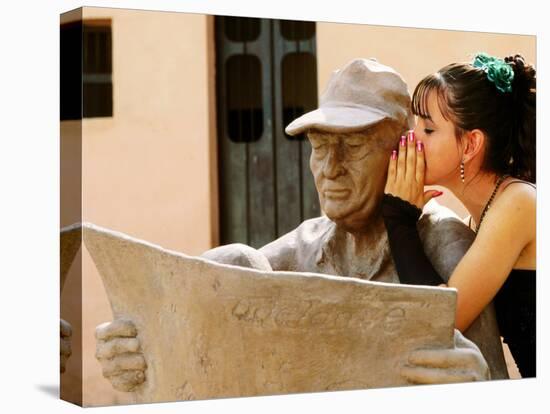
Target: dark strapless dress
(515, 305)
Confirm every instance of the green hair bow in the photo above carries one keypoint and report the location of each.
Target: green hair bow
(498, 71)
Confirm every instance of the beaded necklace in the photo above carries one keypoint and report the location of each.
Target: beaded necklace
(488, 205)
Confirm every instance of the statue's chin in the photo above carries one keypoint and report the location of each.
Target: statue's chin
(334, 214)
(336, 209)
(346, 221)
(352, 221)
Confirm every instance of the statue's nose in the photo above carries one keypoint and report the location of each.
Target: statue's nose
(333, 167)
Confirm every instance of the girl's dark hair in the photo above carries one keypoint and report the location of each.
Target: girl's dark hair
(468, 99)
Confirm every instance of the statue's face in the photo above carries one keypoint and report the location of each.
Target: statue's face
(350, 172)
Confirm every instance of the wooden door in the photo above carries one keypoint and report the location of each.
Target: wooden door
(266, 77)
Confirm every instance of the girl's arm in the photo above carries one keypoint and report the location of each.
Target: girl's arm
(412, 265)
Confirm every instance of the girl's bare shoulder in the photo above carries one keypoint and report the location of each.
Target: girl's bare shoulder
(518, 196)
(514, 210)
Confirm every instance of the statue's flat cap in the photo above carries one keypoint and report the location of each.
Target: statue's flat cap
(362, 93)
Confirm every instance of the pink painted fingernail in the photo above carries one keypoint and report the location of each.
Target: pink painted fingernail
(419, 146)
(403, 141)
(394, 155)
(438, 194)
(411, 136)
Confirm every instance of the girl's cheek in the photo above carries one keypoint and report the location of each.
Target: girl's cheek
(429, 156)
(429, 147)
(425, 146)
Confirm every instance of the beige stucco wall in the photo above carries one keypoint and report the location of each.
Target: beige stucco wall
(148, 171)
(414, 53)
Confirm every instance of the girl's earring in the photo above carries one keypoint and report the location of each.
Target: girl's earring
(462, 171)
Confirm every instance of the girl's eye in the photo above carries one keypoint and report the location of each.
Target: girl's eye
(428, 131)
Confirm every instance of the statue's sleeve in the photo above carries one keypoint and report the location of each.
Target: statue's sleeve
(281, 253)
(238, 254)
(301, 249)
(446, 240)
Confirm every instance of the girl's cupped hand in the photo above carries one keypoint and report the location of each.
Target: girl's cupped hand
(406, 172)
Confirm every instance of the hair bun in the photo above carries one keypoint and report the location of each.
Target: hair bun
(517, 62)
(524, 95)
(523, 87)
(524, 75)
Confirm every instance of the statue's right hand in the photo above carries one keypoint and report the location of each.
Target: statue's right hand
(462, 363)
(119, 352)
(65, 344)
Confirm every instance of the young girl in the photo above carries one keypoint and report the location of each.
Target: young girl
(475, 135)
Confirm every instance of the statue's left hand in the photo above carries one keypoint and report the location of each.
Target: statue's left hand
(119, 352)
(64, 344)
(462, 363)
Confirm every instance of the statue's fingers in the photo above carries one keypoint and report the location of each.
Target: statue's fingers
(117, 328)
(128, 380)
(443, 358)
(65, 328)
(123, 363)
(65, 348)
(62, 364)
(115, 346)
(422, 375)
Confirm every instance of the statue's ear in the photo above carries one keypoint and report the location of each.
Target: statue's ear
(472, 143)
